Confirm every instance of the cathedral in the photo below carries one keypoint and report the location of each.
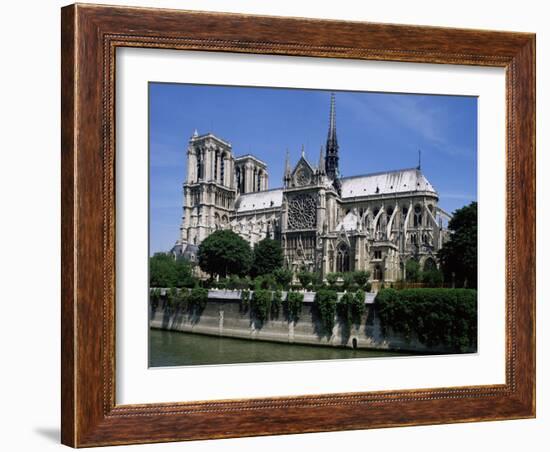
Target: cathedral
(324, 222)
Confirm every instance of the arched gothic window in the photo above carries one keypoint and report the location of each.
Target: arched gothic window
(417, 216)
(259, 181)
(429, 265)
(222, 169)
(342, 258)
(200, 165)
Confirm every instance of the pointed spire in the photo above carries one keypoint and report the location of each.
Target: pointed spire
(195, 133)
(286, 177)
(321, 166)
(303, 152)
(287, 162)
(331, 160)
(419, 160)
(332, 119)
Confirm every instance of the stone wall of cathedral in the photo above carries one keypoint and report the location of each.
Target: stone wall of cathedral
(325, 223)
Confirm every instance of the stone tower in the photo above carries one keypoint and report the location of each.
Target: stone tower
(209, 190)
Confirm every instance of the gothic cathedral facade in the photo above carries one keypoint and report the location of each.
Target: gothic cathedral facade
(325, 223)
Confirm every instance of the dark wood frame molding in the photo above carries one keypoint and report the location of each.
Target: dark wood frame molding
(90, 34)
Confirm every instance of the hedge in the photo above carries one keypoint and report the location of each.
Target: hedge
(435, 316)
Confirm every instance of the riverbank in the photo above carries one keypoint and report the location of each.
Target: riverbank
(223, 315)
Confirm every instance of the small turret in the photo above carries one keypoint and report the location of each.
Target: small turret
(321, 165)
(286, 177)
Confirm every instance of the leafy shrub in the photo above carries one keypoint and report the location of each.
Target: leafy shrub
(283, 278)
(344, 309)
(436, 316)
(233, 282)
(348, 280)
(170, 298)
(221, 284)
(165, 271)
(261, 304)
(432, 277)
(361, 278)
(276, 304)
(181, 298)
(154, 297)
(325, 304)
(351, 307)
(264, 282)
(358, 306)
(305, 278)
(412, 271)
(332, 279)
(245, 300)
(197, 299)
(293, 305)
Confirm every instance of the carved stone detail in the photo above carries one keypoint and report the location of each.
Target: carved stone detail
(302, 212)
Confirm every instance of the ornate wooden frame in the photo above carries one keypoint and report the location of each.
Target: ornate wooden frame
(90, 35)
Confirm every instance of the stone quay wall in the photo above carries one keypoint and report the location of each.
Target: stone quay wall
(224, 316)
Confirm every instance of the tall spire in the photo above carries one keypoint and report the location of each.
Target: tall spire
(419, 160)
(332, 119)
(331, 160)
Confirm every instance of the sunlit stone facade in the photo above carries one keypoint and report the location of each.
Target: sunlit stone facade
(325, 222)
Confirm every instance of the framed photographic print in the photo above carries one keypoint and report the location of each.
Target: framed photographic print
(281, 225)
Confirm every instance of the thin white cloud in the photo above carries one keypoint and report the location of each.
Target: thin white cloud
(409, 112)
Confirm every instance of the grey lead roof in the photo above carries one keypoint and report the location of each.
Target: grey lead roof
(260, 200)
(384, 183)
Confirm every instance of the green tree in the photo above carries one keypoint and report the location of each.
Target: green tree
(184, 273)
(283, 277)
(306, 278)
(162, 272)
(224, 253)
(432, 277)
(458, 256)
(361, 278)
(268, 257)
(412, 270)
(165, 271)
(332, 279)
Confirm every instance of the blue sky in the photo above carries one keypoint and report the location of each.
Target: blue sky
(376, 132)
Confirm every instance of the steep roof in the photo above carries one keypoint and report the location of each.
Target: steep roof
(386, 183)
(260, 200)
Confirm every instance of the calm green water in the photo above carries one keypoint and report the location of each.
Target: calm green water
(172, 348)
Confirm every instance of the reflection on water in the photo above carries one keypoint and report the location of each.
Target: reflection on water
(172, 348)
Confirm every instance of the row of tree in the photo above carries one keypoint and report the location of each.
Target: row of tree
(225, 253)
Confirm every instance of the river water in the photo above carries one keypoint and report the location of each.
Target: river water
(173, 348)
